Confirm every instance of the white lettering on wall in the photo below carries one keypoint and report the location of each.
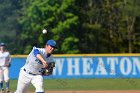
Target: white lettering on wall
(112, 61)
(136, 65)
(87, 66)
(125, 63)
(58, 66)
(100, 68)
(73, 66)
(106, 66)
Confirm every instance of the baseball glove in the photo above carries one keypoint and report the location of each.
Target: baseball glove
(48, 71)
(8, 65)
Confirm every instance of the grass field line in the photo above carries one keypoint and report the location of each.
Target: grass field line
(85, 84)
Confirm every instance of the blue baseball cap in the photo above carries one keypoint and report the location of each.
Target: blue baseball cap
(51, 43)
(2, 44)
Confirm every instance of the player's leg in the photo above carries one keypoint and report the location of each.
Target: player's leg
(1, 80)
(6, 78)
(37, 82)
(23, 82)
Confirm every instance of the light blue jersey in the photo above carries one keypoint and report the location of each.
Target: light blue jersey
(34, 65)
(5, 58)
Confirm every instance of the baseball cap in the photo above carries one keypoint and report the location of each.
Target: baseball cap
(2, 44)
(51, 43)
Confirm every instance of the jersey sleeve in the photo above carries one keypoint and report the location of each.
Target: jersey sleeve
(37, 51)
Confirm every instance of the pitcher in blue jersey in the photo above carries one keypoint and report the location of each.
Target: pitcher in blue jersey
(33, 70)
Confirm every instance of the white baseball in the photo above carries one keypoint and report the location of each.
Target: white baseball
(44, 31)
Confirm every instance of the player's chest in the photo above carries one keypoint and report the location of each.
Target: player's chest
(48, 59)
(3, 55)
(38, 62)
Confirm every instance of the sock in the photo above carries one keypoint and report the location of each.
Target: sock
(7, 85)
(1, 85)
(39, 92)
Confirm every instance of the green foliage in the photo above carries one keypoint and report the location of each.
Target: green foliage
(55, 16)
(111, 16)
(85, 26)
(9, 27)
(70, 45)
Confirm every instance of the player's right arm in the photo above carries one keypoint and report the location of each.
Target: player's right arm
(39, 56)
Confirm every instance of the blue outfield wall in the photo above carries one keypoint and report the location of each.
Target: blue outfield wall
(88, 66)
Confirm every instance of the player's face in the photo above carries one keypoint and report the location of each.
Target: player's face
(1, 48)
(49, 49)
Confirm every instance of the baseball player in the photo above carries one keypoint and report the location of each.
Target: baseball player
(39, 62)
(5, 60)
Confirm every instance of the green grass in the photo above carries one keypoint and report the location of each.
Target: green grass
(86, 84)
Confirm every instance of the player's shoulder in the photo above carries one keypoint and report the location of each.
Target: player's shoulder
(41, 50)
(6, 53)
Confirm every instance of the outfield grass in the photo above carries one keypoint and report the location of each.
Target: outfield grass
(86, 84)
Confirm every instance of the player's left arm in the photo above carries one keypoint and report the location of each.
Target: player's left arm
(8, 60)
(49, 70)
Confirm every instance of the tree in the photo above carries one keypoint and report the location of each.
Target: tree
(105, 24)
(56, 16)
(9, 28)
(131, 12)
